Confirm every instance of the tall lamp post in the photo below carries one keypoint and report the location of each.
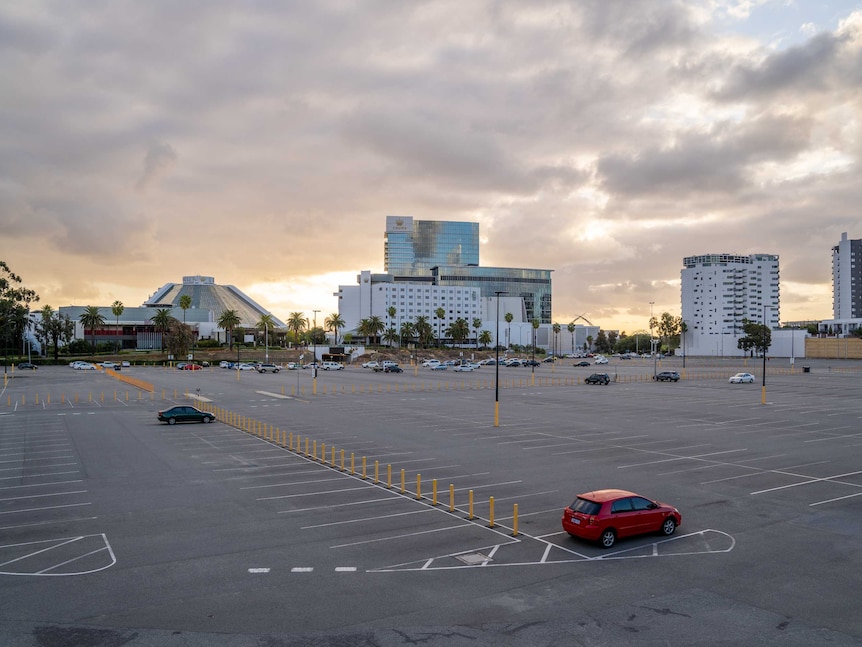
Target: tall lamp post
(763, 340)
(314, 359)
(652, 341)
(497, 365)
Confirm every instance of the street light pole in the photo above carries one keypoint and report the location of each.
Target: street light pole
(497, 365)
(652, 341)
(314, 360)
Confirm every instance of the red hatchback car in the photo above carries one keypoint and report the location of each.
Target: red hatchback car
(605, 515)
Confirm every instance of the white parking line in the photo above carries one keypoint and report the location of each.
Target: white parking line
(809, 480)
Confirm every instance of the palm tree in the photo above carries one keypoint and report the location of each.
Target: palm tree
(334, 323)
(557, 328)
(407, 332)
(535, 324)
(589, 342)
(485, 338)
(185, 304)
(424, 331)
(508, 317)
(458, 330)
(571, 329)
(391, 336)
(91, 318)
(477, 323)
(228, 321)
(439, 313)
(375, 326)
(266, 322)
(162, 321)
(390, 311)
(117, 308)
(296, 323)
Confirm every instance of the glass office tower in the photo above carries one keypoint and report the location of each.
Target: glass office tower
(413, 247)
(446, 253)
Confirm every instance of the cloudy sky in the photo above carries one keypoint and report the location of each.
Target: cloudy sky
(264, 142)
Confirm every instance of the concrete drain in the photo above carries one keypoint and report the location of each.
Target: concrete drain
(474, 559)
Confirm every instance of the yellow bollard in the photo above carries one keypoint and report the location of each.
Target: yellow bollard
(515, 521)
(115, 395)
(389, 476)
(127, 396)
(363, 469)
(376, 472)
(418, 486)
(290, 441)
(352, 464)
(451, 498)
(333, 456)
(323, 453)
(342, 460)
(470, 504)
(402, 481)
(434, 492)
(314, 454)
(491, 512)
(306, 445)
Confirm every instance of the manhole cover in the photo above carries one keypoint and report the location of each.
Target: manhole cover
(474, 559)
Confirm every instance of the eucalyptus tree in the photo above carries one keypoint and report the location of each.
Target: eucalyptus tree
(117, 309)
(180, 338)
(15, 303)
(91, 318)
(55, 328)
(228, 321)
(333, 324)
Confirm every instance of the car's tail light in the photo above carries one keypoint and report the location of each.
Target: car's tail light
(592, 521)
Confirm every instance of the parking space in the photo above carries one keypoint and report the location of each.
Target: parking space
(99, 487)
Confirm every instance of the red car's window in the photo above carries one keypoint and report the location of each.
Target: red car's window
(622, 505)
(586, 507)
(639, 503)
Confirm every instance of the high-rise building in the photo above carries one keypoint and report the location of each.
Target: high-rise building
(847, 279)
(720, 292)
(446, 253)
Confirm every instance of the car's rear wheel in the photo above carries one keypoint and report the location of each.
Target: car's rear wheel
(668, 526)
(172, 421)
(608, 538)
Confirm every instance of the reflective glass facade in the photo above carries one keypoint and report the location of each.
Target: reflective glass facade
(413, 247)
(446, 253)
(533, 286)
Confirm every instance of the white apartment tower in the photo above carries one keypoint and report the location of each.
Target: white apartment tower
(720, 292)
(847, 279)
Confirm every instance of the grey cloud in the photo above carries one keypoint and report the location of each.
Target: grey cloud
(159, 158)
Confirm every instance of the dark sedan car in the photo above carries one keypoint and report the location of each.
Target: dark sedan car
(598, 378)
(584, 363)
(666, 376)
(27, 365)
(184, 413)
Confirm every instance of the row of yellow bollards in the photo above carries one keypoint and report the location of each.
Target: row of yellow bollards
(338, 460)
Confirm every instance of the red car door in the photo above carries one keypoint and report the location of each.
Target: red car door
(624, 518)
(649, 516)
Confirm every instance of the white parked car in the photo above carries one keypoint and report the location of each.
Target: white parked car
(245, 367)
(84, 366)
(464, 368)
(371, 364)
(332, 366)
(601, 360)
(430, 363)
(741, 378)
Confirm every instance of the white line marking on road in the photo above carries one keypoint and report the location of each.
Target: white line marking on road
(258, 570)
(301, 569)
(345, 569)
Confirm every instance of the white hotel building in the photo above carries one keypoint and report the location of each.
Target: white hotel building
(720, 292)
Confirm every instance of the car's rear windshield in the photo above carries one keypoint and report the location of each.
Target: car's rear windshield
(585, 507)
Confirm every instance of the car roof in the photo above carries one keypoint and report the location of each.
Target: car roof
(600, 496)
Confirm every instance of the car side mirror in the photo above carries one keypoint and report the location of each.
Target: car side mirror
(653, 505)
